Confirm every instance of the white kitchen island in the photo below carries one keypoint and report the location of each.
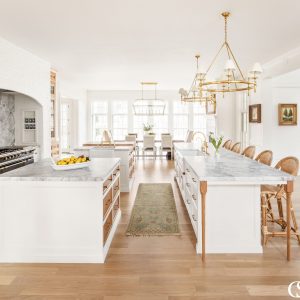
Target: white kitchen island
(222, 197)
(59, 216)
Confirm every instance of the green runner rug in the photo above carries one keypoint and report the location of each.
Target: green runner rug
(154, 211)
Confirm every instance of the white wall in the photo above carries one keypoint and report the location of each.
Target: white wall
(23, 103)
(26, 73)
(283, 140)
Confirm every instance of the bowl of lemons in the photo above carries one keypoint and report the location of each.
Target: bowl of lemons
(71, 163)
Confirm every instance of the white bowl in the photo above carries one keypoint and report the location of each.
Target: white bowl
(71, 167)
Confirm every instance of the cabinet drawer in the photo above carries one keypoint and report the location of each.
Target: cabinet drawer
(107, 202)
(116, 171)
(116, 208)
(107, 226)
(116, 187)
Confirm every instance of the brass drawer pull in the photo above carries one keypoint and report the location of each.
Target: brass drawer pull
(183, 173)
(194, 180)
(188, 202)
(187, 170)
(194, 218)
(194, 197)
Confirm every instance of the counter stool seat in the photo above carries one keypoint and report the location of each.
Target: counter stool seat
(277, 192)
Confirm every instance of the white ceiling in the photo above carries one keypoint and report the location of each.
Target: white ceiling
(115, 44)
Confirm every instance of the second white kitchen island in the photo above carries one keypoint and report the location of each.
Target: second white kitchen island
(59, 216)
(222, 197)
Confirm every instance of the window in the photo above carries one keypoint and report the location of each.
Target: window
(119, 119)
(138, 124)
(201, 121)
(199, 117)
(99, 119)
(161, 123)
(180, 120)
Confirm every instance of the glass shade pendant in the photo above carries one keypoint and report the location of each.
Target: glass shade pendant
(149, 106)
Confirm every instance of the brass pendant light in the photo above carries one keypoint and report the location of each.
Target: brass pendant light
(233, 79)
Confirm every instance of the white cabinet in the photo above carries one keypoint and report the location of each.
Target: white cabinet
(29, 123)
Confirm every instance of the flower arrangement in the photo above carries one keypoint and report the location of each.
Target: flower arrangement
(147, 127)
(215, 141)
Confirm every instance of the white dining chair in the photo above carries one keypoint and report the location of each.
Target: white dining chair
(149, 145)
(166, 144)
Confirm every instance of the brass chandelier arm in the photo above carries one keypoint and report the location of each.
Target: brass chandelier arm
(241, 73)
(215, 58)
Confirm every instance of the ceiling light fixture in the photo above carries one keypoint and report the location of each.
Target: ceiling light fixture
(195, 93)
(233, 79)
(149, 106)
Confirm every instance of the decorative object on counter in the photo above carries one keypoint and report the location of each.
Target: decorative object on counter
(195, 94)
(216, 142)
(149, 106)
(287, 114)
(231, 81)
(107, 138)
(154, 212)
(255, 113)
(147, 128)
(198, 135)
(71, 163)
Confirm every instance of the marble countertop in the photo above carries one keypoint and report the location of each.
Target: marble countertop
(99, 169)
(116, 148)
(187, 146)
(233, 167)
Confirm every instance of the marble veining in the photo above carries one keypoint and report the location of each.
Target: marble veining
(7, 121)
(187, 146)
(99, 169)
(233, 167)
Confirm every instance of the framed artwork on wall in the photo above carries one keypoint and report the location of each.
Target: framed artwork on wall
(255, 113)
(287, 114)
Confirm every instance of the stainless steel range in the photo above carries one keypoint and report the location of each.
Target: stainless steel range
(15, 157)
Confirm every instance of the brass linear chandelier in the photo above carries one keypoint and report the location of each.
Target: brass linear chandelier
(233, 80)
(149, 106)
(195, 93)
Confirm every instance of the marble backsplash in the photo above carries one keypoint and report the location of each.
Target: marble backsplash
(7, 121)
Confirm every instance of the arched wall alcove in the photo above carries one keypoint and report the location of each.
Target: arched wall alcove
(17, 128)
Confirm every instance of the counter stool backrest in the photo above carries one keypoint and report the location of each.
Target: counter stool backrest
(265, 157)
(249, 152)
(289, 165)
(227, 144)
(236, 147)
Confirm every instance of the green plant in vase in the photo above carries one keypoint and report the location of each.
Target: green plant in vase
(147, 128)
(216, 142)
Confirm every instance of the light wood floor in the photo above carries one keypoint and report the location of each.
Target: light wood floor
(158, 267)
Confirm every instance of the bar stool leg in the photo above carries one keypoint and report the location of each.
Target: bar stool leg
(264, 219)
(295, 227)
(280, 211)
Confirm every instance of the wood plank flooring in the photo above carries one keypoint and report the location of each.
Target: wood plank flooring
(162, 268)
